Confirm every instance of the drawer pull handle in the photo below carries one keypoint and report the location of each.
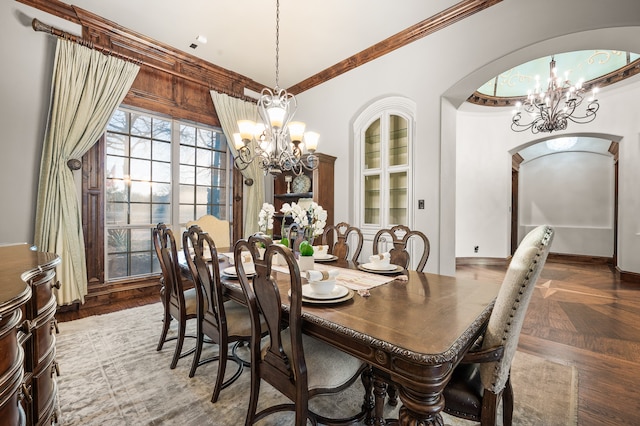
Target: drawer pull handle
(55, 369)
(56, 285)
(25, 394)
(54, 326)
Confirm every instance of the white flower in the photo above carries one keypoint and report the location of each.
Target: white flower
(312, 219)
(265, 217)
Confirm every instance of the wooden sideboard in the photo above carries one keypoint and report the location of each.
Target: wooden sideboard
(27, 336)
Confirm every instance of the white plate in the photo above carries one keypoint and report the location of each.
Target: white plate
(337, 292)
(375, 267)
(231, 272)
(328, 258)
(393, 271)
(344, 298)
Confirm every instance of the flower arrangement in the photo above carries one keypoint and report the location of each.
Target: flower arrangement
(311, 220)
(265, 217)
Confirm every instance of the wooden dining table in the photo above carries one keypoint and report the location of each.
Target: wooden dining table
(412, 330)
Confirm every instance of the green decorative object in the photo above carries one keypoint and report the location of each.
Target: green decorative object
(306, 249)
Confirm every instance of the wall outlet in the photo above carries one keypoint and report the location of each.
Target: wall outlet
(476, 248)
(420, 204)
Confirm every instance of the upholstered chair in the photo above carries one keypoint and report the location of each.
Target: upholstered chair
(482, 379)
(297, 365)
(339, 234)
(400, 238)
(223, 322)
(217, 229)
(179, 304)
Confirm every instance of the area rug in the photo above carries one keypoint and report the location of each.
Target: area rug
(111, 374)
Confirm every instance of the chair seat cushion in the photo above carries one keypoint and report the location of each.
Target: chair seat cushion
(327, 367)
(463, 393)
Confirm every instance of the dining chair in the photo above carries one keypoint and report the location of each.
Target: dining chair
(340, 234)
(297, 365)
(179, 304)
(222, 321)
(400, 237)
(482, 379)
(219, 229)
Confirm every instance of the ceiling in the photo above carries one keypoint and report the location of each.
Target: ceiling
(241, 34)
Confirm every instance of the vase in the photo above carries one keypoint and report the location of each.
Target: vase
(305, 263)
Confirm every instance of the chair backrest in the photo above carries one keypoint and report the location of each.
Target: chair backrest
(218, 229)
(511, 304)
(341, 233)
(167, 252)
(286, 372)
(400, 237)
(206, 275)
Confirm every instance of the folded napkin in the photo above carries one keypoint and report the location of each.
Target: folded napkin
(380, 258)
(321, 251)
(313, 275)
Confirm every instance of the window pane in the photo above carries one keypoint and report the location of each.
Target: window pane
(117, 265)
(187, 135)
(116, 213)
(372, 199)
(140, 169)
(116, 190)
(141, 263)
(161, 213)
(398, 198)
(203, 176)
(187, 155)
(186, 194)
(161, 192)
(119, 122)
(205, 138)
(117, 144)
(140, 192)
(161, 129)
(141, 148)
(161, 172)
(202, 210)
(141, 239)
(161, 151)
(187, 175)
(372, 146)
(219, 160)
(140, 214)
(218, 177)
(202, 194)
(140, 125)
(117, 167)
(398, 141)
(117, 240)
(187, 213)
(204, 157)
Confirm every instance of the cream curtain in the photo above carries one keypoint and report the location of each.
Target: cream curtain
(229, 111)
(87, 86)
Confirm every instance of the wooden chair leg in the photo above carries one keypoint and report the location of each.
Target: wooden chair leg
(198, 350)
(222, 365)
(392, 392)
(507, 404)
(490, 403)
(176, 353)
(166, 323)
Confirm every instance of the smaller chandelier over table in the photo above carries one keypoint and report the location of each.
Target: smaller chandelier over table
(276, 144)
(551, 110)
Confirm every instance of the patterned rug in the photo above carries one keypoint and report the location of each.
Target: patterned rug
(111, 374)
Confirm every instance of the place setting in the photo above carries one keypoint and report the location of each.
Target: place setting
(381, 264)
(323, 289)
(321, 254)
(247, 262)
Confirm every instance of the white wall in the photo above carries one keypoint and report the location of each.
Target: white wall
(574, 193)
(24, 87)
(486, 191)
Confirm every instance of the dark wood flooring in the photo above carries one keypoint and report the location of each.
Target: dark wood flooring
(580, 315)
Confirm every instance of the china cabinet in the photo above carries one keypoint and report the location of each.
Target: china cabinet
(311, 184)
(383, 166)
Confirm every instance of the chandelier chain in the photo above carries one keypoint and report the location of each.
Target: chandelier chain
(277, 43)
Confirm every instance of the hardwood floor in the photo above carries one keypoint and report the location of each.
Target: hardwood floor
(583, 315)
(580, 314)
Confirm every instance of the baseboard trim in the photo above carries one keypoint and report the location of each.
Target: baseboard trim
(579, 258)
(482, 261)
(629, 277)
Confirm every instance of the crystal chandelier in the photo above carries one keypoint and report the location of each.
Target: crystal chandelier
(276, 143)
(551, 110)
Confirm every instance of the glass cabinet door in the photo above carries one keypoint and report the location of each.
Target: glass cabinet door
(385, 170)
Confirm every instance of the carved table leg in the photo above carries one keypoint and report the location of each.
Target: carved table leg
(369, 403)
(379, 393)
(420, 409)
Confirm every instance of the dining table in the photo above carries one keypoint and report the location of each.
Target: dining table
(412, 327)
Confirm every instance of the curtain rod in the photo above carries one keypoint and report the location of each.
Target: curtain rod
(40, 26)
